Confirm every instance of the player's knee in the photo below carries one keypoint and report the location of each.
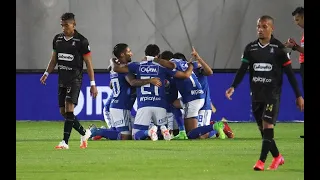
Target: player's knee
(69, 105)
(70, 116)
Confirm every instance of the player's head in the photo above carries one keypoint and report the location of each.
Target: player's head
(167, 55)
(152, 50)
(179, 55)
(68, 23)
(298, 16)
(265, 27)
(122, 52)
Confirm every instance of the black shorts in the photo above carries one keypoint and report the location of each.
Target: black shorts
(266, 111)
(69, 93)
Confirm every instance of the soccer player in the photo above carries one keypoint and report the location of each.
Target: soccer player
(267, 60)
(298, 16)
(192, 97)
(171, 94)
(70, 49)
(203, 128)
(151, 99)
(122, 86)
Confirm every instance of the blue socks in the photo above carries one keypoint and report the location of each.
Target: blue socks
(141, 135)
(108, 133)
(199, 131)
(178, 116)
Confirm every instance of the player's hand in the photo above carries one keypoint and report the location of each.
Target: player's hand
(43, 79)
(229, 93)
(291, 40)
(93, 91)
(144, 59)
(116, 61)
(290, 43)
(156, 81)
(194, 52)
(300, 103)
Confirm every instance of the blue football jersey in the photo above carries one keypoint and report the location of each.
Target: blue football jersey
(171, 91)
(107, 105)
(150, 95)
(133, 96)
(190, 89)
(121, 91)
(203, 80)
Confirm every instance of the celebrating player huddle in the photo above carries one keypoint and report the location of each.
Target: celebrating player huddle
(155, 83)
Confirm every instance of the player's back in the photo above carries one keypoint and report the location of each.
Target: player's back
(150, 95)
(121, 91)
(203, 80)
(190, 88)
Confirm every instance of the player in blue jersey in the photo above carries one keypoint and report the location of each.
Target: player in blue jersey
(120, 107)
(204, 129)
(192, 98)
(151, 99)
(171, 95)
(106, 111)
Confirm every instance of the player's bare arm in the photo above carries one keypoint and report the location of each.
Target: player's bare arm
(238, 78)
(52, 64)
(88, 60)
(185, 74)
(165, 63)
(141, 82)
(207, 71)
(291, 43)
(120, 68)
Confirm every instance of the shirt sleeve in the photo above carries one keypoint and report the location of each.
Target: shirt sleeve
(85, 48)
(284, 56)
(170, 72)
(54, 43)
(246, 55)
(133, 67)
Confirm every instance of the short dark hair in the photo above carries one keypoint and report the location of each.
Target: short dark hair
(119, 48)
(152, 50)
(167, 55)
(266, 17)
(179, 55)
(67, 16)
(298, 10)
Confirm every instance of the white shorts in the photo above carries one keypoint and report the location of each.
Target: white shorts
(171, 120)
(204, 117)
(192, 108)
(121, 118)
(107, 118)
(147, 115)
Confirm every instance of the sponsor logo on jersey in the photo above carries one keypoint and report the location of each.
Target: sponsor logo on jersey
(149, 69)
(261, 79)
(65, 57)
(262, 67)
(142, 99)
(62, 67)
(273, 45)
(196, 92)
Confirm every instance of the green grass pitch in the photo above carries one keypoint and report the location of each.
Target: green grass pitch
(213, 159)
